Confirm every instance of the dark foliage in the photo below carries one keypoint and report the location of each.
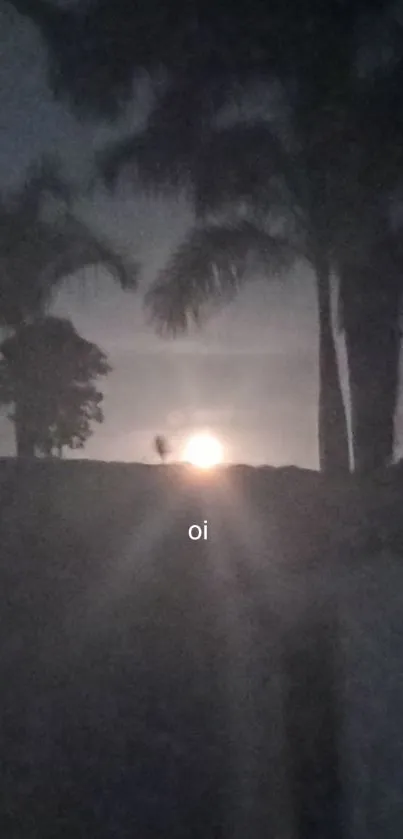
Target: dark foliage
(39, 249)
(46, 374)
(210, 266)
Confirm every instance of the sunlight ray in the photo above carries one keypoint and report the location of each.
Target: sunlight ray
(248, 529)
(263, 569)
(234, 619)
(133, 568)
(251, 592)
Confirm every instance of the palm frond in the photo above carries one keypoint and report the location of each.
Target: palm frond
(74, 247)
(26, 250)
(245, 163)
(209, 266)
(79, 41)
(36, 252)
(161, 158)
(95, 49)
(43, 179)
(158, 163)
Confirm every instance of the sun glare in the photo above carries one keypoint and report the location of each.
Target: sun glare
(204, 451)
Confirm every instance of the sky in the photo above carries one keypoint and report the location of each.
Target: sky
(250, 376)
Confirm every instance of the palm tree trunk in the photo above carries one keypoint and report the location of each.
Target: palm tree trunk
(332, 424)
(370, 304)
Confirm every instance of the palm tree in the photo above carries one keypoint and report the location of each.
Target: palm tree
(338, 157)
(37, 253)
(255, 205)
(47, 374)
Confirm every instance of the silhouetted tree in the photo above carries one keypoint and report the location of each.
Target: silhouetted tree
(229, 168)
(371, 297)
(253, 197)
(370, 267)
(39, 249)
(254, 203)
(46, 374)
(71, 427)
(336, 172)
(161, 446)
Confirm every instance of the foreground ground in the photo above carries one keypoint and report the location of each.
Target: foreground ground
(244, 685)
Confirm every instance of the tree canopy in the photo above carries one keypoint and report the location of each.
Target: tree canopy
(47, 374)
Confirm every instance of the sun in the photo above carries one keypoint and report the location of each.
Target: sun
(203, 450)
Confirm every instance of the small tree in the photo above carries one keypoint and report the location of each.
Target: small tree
(161, 446)
(46, 373)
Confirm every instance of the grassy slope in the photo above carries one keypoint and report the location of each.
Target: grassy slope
(153, 686)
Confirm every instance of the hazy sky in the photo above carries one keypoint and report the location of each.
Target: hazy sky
(250, 375)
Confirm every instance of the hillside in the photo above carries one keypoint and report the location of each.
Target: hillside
(238, 686)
